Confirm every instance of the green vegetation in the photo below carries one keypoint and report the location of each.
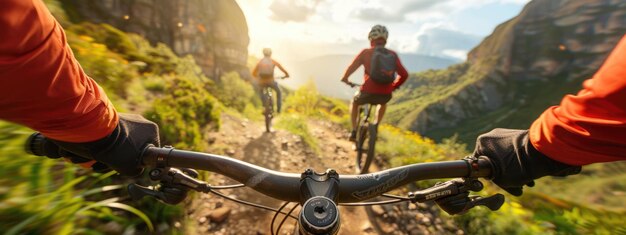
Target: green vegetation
(297, 124)
(402, 147)
(236, 93)
(44, 196)
(531, 98)
(306, 103)
(53, 197)
(548, 208)
(184, 114)
(427, 88)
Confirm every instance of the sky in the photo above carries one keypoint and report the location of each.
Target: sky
(303, 29)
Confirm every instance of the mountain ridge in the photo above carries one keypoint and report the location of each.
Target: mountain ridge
(527, 64)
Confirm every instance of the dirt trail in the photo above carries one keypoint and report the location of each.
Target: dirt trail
(282, 151)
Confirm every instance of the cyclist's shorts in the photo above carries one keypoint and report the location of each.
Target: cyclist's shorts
(362, 97)
(266, 81)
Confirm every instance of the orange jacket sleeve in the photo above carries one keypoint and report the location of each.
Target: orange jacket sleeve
(588, 127)
(42, 86)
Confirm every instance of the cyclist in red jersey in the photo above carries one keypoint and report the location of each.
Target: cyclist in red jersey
(372, 92)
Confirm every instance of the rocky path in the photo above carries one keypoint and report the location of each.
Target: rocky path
(283, 151)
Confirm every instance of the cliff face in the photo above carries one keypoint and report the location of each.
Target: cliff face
(525, 65)
(214, 32)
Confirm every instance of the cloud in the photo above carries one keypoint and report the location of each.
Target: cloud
(438, 39)
(377, 14)
(458, 54)
(420, 5)
(379, 11)
(293, 10)
(446, 42)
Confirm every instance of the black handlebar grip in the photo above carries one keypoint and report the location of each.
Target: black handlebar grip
(35, 144)
(39, 145)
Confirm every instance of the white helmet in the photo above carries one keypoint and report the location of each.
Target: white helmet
(378, 31)
(267, 51)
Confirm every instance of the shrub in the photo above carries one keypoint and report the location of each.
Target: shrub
(184, 114)
(304, 100)
(235, 92)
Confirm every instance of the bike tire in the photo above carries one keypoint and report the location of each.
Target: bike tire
(371, 147)
(362, 147)
(269, 113)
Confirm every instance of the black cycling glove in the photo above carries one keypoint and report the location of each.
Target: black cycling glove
(516, 161)
(52, 150)
(121, 149)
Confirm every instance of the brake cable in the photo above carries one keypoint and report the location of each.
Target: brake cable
(283, 220)
(396, 199)
(251, 203)
(186, 178)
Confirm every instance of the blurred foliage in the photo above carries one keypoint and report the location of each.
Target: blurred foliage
(304, 100)
(297, 124)
(184, 114)
(235, 92)
(401, 147)
(44, 196)
(306, 103)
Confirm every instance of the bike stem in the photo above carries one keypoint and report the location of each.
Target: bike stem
(319, 214)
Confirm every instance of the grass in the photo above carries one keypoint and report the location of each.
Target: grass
(40, 195)
(297, 124)
(44, 196)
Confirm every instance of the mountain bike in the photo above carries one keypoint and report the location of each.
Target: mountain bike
(268, 105)
(318, 193)
(366, 134)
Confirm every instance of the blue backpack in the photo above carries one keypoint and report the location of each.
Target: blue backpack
(383, 66)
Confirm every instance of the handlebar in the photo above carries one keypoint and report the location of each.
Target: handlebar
(317, 193)
(286, 186)
(352, 84)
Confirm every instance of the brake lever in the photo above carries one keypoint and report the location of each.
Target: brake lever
(461, 203)
(493, 202)
(137, 192)
(174, 185)
(453, 196)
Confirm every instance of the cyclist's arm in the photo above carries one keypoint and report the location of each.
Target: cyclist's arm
(356, 63)
(402, 74)
(43, 86)
(588, 127)
(281, 68)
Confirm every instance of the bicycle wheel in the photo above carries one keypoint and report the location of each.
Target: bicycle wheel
(362, 150)
(269, 112)
(371, 146)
